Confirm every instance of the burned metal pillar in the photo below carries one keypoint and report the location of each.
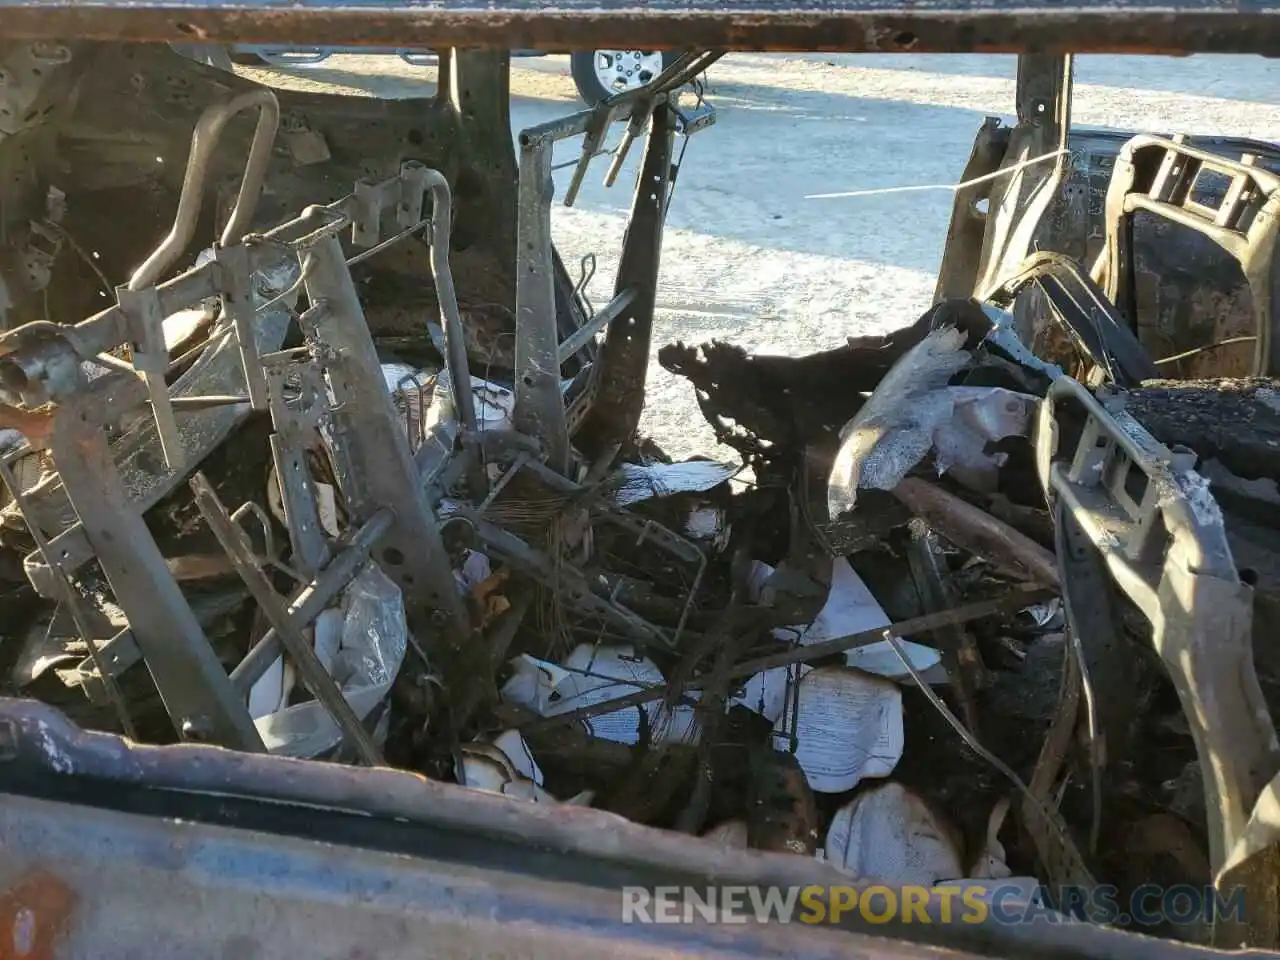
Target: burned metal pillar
(1044, 122)
(1044, 97)
(539, 401)
(970, 214)
(375, 466)
(624, 358)
(477, 90)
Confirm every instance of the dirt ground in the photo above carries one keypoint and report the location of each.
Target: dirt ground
(748, 257)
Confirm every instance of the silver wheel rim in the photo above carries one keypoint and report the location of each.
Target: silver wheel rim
(622, 70)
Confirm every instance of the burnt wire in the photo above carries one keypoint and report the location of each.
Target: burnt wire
(951, 187)
(1049, 816)
(700, 90)
(1198, 350)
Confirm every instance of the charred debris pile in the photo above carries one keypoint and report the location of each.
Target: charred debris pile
(945, 617)
(851, 644)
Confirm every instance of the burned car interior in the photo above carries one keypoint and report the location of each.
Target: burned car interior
(341, 594)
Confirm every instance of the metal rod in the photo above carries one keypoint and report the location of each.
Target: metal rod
(965, 525)
(636, 123)
(592, 146)
(1021, 596)
(685, 68)
(204, 141)
(454, 336)
(314, 674)
(203, 403)
(390, 241)
(107, 329)
(313, 598)
(584, 334)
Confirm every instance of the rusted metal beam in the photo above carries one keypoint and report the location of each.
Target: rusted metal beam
(1040, 26)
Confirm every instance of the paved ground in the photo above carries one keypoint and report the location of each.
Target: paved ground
(747, 257)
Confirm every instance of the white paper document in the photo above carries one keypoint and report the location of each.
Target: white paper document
(887, 833)
(644, 481)
(851, 608)
(594, 675)
(848, 726)
(844, 725)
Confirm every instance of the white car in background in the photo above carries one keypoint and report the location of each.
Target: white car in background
(597, 73)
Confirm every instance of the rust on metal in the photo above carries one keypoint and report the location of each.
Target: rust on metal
(1040, 26)
(33, 916)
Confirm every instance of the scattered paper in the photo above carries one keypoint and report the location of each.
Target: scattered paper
(373, 640)
(881, 659)
(766, 693)
(757, 583)
(512, 743)
(889, 834)
(495, 404)
(403, 376)
(505, 766)
(269, 695)
(843, 725)
(1047, 615)
(851, 608)
(707, 523)
(594, 675)
(640, 482)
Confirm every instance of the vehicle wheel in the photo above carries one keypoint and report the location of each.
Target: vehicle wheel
(602, 73)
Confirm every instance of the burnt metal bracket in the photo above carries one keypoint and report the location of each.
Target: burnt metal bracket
(192, 683)
(303, 655)
(962, 251)
(295, 423)
(384, 491)
(375, 466)
(539, 409)
(1161, 536)
(1090, 318)
(145, 322)
(309, 601)
(235, 278)
(619, 374)
(1160, 177)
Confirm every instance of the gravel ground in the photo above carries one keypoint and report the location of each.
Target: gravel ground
(747, 257)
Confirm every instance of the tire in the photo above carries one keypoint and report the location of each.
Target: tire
(591, 88)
